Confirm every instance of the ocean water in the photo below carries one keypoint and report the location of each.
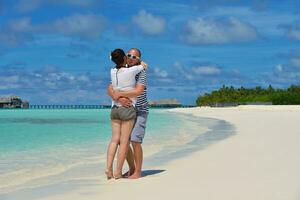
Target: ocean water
(44, 149)
(36, 144)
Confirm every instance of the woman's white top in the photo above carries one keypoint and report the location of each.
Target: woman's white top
(123, 79)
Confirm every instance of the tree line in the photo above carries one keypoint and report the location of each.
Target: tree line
(289, 96)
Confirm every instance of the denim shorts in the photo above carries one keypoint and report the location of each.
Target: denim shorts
(138, 131)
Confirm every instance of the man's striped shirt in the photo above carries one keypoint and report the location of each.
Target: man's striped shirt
(142, 102)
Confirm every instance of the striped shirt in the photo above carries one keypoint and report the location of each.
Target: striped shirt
(142, 102)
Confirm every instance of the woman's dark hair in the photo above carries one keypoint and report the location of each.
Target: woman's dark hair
(117, 56)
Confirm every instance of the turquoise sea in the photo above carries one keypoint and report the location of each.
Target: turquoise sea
(43, 148)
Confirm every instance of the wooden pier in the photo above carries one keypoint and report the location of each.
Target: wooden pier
(69, 106)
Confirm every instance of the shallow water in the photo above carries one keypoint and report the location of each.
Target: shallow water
(43, 150)
(40, 143)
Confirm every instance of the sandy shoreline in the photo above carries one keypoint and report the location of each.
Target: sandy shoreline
(261, 161)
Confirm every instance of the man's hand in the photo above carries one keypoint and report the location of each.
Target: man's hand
(125, 102)
(116, 95)
(145, 65)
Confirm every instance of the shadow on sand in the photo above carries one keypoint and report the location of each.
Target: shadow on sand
(151, 172)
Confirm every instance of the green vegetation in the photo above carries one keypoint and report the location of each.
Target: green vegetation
(290, 96)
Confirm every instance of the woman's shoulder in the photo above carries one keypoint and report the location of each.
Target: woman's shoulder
(114, 68)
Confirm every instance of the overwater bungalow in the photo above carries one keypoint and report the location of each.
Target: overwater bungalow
(13, 102)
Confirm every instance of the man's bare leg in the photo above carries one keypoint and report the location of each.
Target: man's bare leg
(138, 158)
(130, 161)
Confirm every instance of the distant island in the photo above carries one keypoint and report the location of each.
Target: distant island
(164, 103)
(13, 102)
(230, 96)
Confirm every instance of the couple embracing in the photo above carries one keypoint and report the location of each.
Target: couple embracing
(129, 113)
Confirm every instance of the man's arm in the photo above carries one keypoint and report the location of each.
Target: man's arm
(126, 102)
(123, 97)
(111, 92)
(138, 90)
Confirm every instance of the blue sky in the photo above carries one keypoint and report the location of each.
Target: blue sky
(57, 52)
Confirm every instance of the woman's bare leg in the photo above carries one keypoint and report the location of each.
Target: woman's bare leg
(126, 128)
(112, 147)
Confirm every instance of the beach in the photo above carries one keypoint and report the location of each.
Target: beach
(261, 161)
(257, 158)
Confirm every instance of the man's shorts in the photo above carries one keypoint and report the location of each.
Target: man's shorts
(138, 131)
(122, 113)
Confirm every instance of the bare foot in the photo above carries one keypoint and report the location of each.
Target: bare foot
(135, 176)
(118, 175)
(127, 174)
(109, 174)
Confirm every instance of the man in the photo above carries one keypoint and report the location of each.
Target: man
(135, 160)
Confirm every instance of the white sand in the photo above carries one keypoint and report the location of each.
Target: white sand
(260, 162)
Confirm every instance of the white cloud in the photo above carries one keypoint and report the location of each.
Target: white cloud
(210, 31)
(10, 79)
(283, 75)
(48, 78)
(205, 74)
(83, 78)
(148, 23)
(27, 5)
(19, 31)
(160, 73)
(295, 62)
(30, 5)
(73, 96)
(206, 70)
(87, 26)
(294, 33)
(80, 3)
(279, 68)
(20, 25)
(11, 39)
(10, 82)
(293, 59)
(180, 71)
(16, 32)
(51, 85)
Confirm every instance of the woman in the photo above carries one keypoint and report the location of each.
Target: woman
(122, 119)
